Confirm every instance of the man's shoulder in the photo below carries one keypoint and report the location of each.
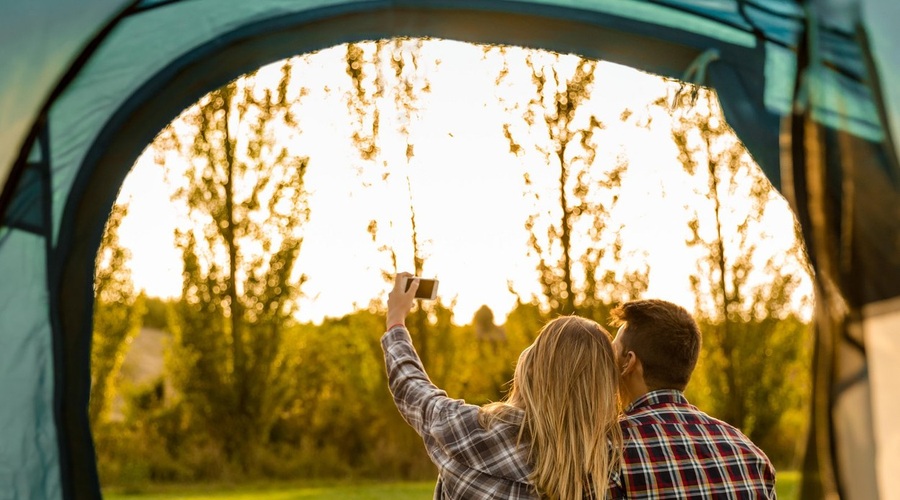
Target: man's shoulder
(669, 442)
(685, 423)
(673, 415)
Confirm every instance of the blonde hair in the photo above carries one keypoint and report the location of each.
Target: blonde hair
(566, 383)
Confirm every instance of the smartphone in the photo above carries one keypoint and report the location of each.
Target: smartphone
(427, 288)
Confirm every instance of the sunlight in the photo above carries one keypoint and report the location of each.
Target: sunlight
(463, 181)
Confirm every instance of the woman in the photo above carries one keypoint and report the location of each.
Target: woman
(556, 435)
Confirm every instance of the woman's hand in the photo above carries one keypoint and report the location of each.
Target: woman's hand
(400, 301)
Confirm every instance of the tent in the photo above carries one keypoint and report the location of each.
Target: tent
(812, 88)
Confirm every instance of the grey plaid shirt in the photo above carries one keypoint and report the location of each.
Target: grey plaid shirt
(473, 462)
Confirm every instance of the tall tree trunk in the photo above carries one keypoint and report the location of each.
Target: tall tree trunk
(726, 339)
(568, 303)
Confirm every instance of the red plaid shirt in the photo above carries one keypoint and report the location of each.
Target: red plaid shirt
(674, 450)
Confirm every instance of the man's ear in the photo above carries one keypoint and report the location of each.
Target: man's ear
(629, 363)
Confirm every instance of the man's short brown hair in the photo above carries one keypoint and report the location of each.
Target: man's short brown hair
(664, 337)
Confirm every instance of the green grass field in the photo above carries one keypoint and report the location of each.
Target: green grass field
(788, 487)
(364, 491)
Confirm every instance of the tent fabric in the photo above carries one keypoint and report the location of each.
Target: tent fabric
(40, 40)
(810, 87)
(29, 466)
(879, 20)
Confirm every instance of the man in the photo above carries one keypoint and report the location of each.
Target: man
(672, 449)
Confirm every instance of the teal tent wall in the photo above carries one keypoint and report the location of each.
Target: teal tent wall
(810, 87)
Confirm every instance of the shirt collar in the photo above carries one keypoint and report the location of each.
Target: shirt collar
(661, 396)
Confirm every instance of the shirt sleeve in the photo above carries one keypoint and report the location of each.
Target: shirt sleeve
(419, 401)
(479, 460)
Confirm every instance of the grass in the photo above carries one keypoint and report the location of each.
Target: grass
(325, 491)
(788, 488)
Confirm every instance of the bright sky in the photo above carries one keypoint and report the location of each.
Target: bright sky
(466, 188)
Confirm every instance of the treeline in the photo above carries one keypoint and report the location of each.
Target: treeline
(337, 420)
(249, 392)
(334, 417)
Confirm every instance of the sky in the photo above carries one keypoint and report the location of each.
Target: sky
(464, 183)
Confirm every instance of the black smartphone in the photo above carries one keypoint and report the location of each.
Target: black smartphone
(427, 288)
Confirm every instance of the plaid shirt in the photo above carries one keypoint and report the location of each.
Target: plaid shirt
(674, 450)
(473, 462)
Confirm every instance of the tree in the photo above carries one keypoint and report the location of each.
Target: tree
(343, 420)
(117, 315)
(748, 290)
(157, 315)
(388, 80)
(572, 231)
(244, 195)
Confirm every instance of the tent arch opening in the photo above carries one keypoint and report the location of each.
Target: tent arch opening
(662, 37)
(161, 98)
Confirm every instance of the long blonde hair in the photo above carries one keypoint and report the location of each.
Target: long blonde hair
(566, 383)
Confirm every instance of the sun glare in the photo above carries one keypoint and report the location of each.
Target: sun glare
(464, 183)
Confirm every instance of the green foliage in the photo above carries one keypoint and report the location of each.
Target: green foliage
(787, 485)
(769, 396)
(754, 365)
(343, 418)
(486, 354)
(246, 202)
(572, 231)
(340, 420)
(117, 314)
(158, 312)
(389, 80)
(388, 83)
